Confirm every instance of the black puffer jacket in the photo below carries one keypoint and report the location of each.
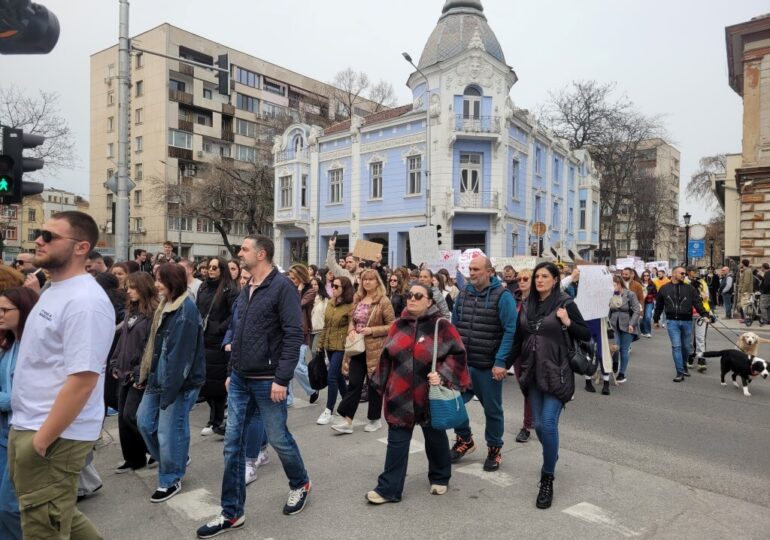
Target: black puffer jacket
(132, 337)
(219, 316)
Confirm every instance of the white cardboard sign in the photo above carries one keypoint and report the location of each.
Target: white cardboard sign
(448, 259)
(423, 243)
(594, 292)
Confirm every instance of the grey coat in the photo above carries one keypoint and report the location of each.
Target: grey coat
(627, 314)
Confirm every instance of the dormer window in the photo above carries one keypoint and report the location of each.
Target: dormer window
(471, 103)
(298, 143)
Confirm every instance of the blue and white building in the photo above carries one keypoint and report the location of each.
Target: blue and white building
(461, 156)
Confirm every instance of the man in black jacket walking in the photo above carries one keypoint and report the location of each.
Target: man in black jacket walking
(678, 299)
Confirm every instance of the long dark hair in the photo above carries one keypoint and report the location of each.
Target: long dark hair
(548, 305)
(143, 283)
(347, 290)
(225, 279)
(24, 300)
(321, 286)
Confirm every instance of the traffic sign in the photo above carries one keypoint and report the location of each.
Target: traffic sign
(539, 228)
(696, 249)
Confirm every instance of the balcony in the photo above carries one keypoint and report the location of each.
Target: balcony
(476, 200)
(186, 69)
(302, 156)
(228, 109)
(180, 153)
(478, 124)
(185, 125)
(181, 97)
(228, 135)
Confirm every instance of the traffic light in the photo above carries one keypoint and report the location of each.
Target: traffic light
(438, 234)
(27, 28)
(13, 164)
(223, 77)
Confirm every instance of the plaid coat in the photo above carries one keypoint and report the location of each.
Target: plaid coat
(402, 374)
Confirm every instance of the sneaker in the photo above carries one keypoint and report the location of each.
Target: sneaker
(126, 467)
(219, 525)
(691, 362)
(262, 458)
(686, 373)
(325, 418)
(523, 435)
(606, 388)
(679, 377)
(511, 372)
(343, 426)
(313, 397)
(251, 472)
(297, 500)
(438, 489)
(375, 498)
(476, 398)
(545, 495)
(494, 457)
(373, 425)
(111, 411)
(647, 335)
(590, 386)
(208, 430)
(461, 448)
(621, 378)
(701, 365)
(163, 494)
(219, 430)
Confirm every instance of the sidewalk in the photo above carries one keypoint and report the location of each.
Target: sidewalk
(735, 325)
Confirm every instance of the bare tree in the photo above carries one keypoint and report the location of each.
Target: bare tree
(349, 87)
(699, 186)
(39, 114)
(612, 130)
(383, 95)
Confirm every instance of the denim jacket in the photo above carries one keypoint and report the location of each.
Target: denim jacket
(7, 367)
(179, 360)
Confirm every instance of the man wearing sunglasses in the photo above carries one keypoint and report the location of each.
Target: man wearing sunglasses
(57, 396)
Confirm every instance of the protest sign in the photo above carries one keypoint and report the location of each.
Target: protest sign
(465, 260)
(594, 292)
(366, 250)
(448, 259)
(423, 244)
(519, 263)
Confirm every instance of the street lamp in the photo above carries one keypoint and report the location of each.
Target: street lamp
(428, 212)
(687, 217)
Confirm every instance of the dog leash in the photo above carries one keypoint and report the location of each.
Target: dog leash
(723, 335)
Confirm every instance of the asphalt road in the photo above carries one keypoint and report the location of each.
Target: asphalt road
(653, 460)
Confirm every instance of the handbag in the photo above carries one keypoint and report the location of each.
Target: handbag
(447, 407)
(356, 345)
(581, 354)
(317, 372)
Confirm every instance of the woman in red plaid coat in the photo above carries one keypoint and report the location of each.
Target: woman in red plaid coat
(403, 376)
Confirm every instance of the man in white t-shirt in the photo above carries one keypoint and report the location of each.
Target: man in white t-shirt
(57, 396)
(193, 283)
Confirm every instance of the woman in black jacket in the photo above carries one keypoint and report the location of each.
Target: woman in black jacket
(125, 362)
(215, 300)
(544, 329)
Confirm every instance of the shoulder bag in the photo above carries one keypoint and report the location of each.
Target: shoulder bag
(582, 354)
(447, 407)
(356, 345)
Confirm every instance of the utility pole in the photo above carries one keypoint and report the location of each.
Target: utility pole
(124, 117)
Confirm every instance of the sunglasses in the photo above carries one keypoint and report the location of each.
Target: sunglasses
(416, 295)
(213, 268)
(335, 286)
(49, 237)
(4, 310)
(524, 279)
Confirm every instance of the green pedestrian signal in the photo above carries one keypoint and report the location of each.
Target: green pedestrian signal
(5, 186)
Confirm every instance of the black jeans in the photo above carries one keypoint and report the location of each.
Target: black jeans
(356, 377)
(131, 441)
(217, 413)
(390, 483)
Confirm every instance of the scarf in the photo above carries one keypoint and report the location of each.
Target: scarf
(164, 307)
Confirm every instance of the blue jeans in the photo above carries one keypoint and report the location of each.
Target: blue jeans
(390, 484)
(301, 376)
(256, 438)
(247, 398)
(546, 409)
(167, 433)
(490, 394)
(645, 326)
(680, 334)
(10, 518)
(623, 340)
(337, 382)
(727, 299)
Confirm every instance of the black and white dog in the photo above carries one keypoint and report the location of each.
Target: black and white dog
(742, 365)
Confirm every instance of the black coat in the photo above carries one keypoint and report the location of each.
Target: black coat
(219, 313)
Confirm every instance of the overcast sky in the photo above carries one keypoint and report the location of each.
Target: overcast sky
(667, 56)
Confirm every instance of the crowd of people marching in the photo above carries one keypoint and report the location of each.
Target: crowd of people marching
(152, 337)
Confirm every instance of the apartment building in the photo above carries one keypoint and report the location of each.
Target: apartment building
(180, 121)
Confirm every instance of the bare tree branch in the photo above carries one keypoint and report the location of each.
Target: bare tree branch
(349, 86)
(383, 95)
(699, 186)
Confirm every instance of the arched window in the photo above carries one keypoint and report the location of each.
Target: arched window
(471, 103)
(298, 143)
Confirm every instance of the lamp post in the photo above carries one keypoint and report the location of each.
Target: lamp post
(711, 252)
(427, 136)
(687, 217)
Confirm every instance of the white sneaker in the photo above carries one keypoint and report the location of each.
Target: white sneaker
(343, 427)
(325, 418)
(207, 431)
(262, 459)
(373, 425)
(251, 472)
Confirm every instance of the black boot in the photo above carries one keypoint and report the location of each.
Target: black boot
(545, 495)
(606, 388)
(590, 386)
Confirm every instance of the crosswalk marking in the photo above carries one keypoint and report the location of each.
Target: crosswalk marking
(497, 478)
(414, 446)
(195, 504)
(595, 515)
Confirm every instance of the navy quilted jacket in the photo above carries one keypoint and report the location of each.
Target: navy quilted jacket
(268, 333)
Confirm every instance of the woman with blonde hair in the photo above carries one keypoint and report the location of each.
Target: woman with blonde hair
(372, 316)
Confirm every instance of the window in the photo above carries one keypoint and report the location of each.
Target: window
(110, 98)
(285, 185)
(414, 175)
(139, 88)
(304, 192)
(139, 60)
(139, 116)
(556, 170)
(31, 215)
(335, 186)
(582, 214)
(515, 179)
(238, 228)
(274, 88)
(137, 224)
(138, 172)
(110, 200)
(471, 103)
(203, 119)
(32, 234)
(138, 144)
(246, 128)
(556, 217)
(515, 244)
(110, 172)
(247, 103)
(177, 224)
(571, 177)
(208, 94)
(538, 209)
(11, 233)
(137, 197)
(272, 110)
(570, 220)
(375, 180)
(244, 76)
(180, 139)
(538, 160)
(110, 147)
(245, 153)
(298, 143)
(110, 124)
(470, 173)
(206, 225)
(178, 86)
